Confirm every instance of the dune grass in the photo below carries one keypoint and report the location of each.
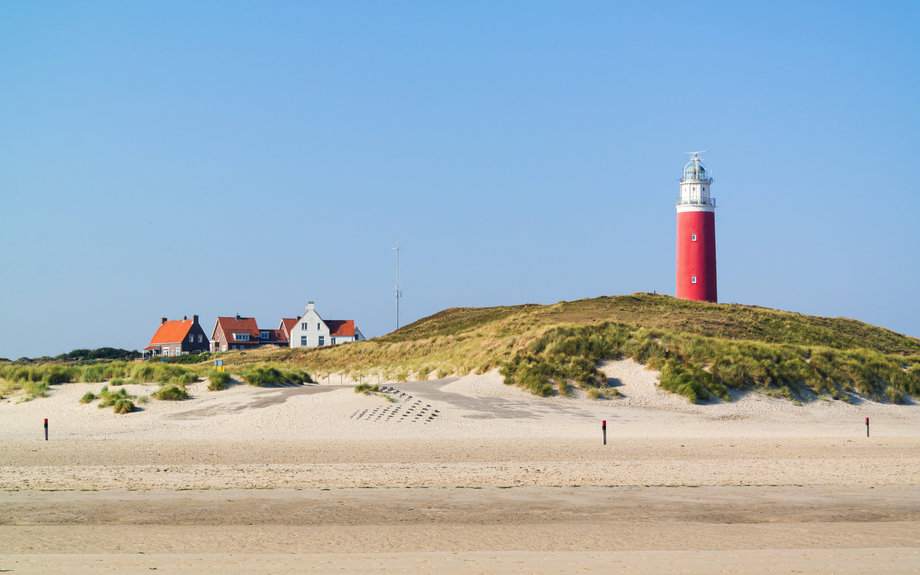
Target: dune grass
(119, 401)
(218, 380)
(266, 375)
(703, 369)
(170, 393)
(159, 372)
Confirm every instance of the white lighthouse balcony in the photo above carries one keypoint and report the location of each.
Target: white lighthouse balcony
(707, 201)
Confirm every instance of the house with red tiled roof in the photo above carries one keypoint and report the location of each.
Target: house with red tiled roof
(275, 337)
(177, 337)
(310, 330)
(287, 324)
(231, 333)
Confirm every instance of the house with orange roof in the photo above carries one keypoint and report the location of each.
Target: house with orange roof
(177, 337)
(310, 330)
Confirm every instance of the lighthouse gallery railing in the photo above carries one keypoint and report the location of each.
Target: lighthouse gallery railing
(697, 202)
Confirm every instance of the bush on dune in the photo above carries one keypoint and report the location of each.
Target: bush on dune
(218, 380)
(699, 367)
(119, 401)
(159, 372)
(170, 393)
(123, 406)
(262, 375)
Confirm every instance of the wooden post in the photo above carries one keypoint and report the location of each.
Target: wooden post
(604, 430)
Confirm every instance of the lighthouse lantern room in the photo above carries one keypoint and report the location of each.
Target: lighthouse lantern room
(696, 234)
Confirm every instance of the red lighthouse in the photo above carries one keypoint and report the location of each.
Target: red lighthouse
(696, 234)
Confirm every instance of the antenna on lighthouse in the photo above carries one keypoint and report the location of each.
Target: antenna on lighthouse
(696, 155)
(398, 285)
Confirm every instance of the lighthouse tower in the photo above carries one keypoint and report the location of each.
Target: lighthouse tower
(696, 234)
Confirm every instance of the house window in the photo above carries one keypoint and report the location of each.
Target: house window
(317, 327)
(200, 338)
(191, 339)
(303, 326)
(263, 335)
(223, 348)
(693, 280)
(165, 352)
(332, 340)
(177, 351)
(303, 341)
(241, 336)
(693, 238)
(322, 340)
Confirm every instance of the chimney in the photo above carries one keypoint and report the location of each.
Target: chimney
(309, 306)
(185, 318)
(195, 319)
(238, 318)
(162, 320)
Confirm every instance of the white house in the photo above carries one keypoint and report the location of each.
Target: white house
(310, 330)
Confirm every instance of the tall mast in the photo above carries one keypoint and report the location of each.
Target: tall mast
(398, 285)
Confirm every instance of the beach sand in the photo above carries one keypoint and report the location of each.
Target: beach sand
(462, 475)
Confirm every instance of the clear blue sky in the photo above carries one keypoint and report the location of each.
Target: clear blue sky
(178, 158)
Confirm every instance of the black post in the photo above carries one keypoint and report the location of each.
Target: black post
(604, 429)
(46, 429)
(867, 427)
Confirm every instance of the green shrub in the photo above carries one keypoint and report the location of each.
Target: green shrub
(110, 398)
(145, 372)
(123, 406)
(682, 382)
(894, 396)
(170, 393)
(88, 397)
(159, 372)
(117, 382)
(56, 374)
(35, 389)
(115, 369)
(93, 374)
(183, 379)
(190, 358)
(218, 380)
(260, 376)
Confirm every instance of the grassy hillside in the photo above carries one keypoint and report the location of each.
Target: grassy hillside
(702, 350)
(725, 321)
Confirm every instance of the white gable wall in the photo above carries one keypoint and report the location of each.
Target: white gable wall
(312, 327)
